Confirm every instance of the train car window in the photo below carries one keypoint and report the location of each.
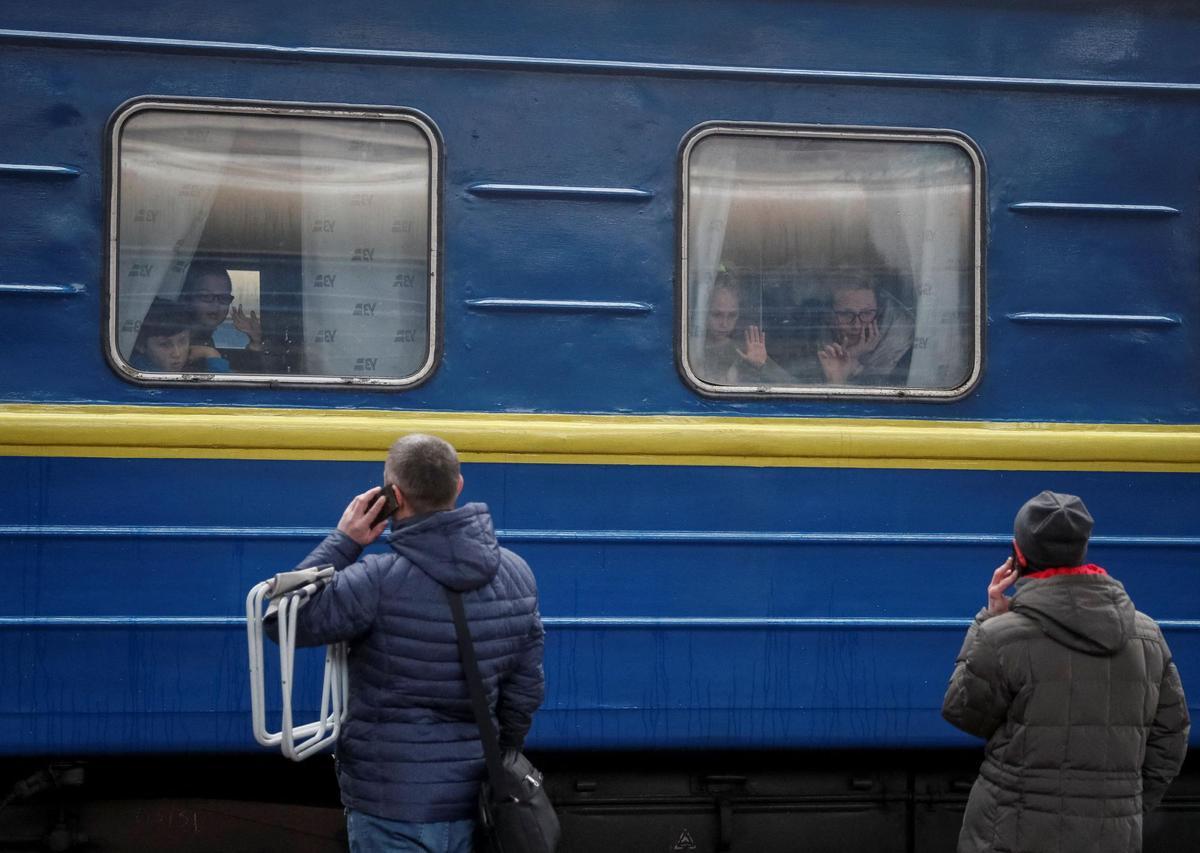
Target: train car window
(272, 243)
(830, 262)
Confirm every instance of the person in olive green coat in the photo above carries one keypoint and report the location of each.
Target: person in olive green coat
(1076, 693)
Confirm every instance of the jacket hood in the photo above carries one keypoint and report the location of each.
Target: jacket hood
(1089, 613)
(456, 547)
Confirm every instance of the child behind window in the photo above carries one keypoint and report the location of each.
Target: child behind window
(163, 341)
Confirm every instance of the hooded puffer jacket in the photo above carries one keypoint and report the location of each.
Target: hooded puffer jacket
(1084, 714)
(410, 748)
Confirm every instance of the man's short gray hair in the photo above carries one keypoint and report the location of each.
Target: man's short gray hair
(426, 469)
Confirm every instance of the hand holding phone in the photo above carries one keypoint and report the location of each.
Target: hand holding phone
(389, 508)
(359, 523)
(1004, 577)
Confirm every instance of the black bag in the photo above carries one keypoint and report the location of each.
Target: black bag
(515, 815)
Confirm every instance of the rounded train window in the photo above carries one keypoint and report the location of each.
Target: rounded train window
(267, 243)
(830, 262)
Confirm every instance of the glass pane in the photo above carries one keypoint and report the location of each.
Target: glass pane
(817, 262)
(275, 245)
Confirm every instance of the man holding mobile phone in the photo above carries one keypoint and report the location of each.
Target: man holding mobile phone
(1075, 692)
(410, 760)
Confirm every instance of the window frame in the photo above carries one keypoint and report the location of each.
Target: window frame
(110, 325)
(836, 132)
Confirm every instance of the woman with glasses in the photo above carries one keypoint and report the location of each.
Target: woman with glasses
(869, 337)
(208, 292)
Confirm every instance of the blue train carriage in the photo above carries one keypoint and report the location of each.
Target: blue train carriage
(754, 324)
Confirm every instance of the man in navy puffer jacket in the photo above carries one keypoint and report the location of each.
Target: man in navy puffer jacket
(409, 756)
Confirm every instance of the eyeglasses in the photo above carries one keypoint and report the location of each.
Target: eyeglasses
(848, 317)
(210, 298)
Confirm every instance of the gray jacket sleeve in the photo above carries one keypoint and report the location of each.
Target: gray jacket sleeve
(345, 607)
(977, 699)
(1166, 744)
(337, 550)
(522, 692)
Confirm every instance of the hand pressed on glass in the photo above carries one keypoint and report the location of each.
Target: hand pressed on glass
(249, 325)
(756, 347)
(840, 362)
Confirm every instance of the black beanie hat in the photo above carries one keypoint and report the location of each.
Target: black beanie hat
(1052, 530)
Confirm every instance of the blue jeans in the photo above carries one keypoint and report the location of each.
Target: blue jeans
(370, 834)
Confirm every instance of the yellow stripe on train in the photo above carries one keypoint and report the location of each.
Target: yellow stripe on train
(303, 434)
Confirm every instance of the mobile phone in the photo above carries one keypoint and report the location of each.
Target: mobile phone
(389, 507)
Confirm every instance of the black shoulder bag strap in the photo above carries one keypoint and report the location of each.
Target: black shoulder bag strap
(483, 717)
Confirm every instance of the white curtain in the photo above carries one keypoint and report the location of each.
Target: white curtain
(712, 182)
(919, 225)
(172, 165)
(365, 201)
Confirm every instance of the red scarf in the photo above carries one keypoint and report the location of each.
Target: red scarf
(1089, 569)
